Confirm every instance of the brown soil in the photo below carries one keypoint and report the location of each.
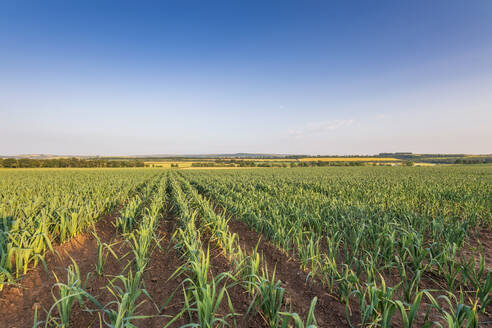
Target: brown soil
(481, 240)
(96, 286)
(164, 261)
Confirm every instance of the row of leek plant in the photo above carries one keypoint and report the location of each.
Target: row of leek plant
(357, 247)
(202, 292)
(127, 288)
(250, 271)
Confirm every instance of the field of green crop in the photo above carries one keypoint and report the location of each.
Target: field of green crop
(279, 247)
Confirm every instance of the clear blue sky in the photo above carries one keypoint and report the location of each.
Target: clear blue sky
(313, 77)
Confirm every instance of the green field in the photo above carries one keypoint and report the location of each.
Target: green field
(270, 247)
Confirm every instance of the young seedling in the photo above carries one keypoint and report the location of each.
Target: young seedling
(68, 293)
(103, 249)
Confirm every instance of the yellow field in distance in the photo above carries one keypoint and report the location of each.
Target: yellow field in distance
(168, 164)
(314, 159)
(261, 159)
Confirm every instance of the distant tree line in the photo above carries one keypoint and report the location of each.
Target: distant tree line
(209, 164)
(326, 163)
(243, 163)
(66, 162)
(230, 162)
(473, 160)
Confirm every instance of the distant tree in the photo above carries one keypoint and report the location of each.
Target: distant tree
(25, 162)
(10, 162)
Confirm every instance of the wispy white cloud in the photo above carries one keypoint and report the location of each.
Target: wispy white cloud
(317, 128)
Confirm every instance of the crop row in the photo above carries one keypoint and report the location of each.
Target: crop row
(137, 222)
(248, 270)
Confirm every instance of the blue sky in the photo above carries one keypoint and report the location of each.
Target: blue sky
(312, 77)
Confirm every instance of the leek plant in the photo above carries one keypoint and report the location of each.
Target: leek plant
(269, 298)
(458, 314)
(103, 249)
(67, 294)
(377, 305)
(128, 215)
(204, 300)
(126, 303)
(409, 311)
(480, 281)
(202, 295)
(298, 323)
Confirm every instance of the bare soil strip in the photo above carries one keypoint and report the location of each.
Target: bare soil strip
(483, 240)
(163, 263)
